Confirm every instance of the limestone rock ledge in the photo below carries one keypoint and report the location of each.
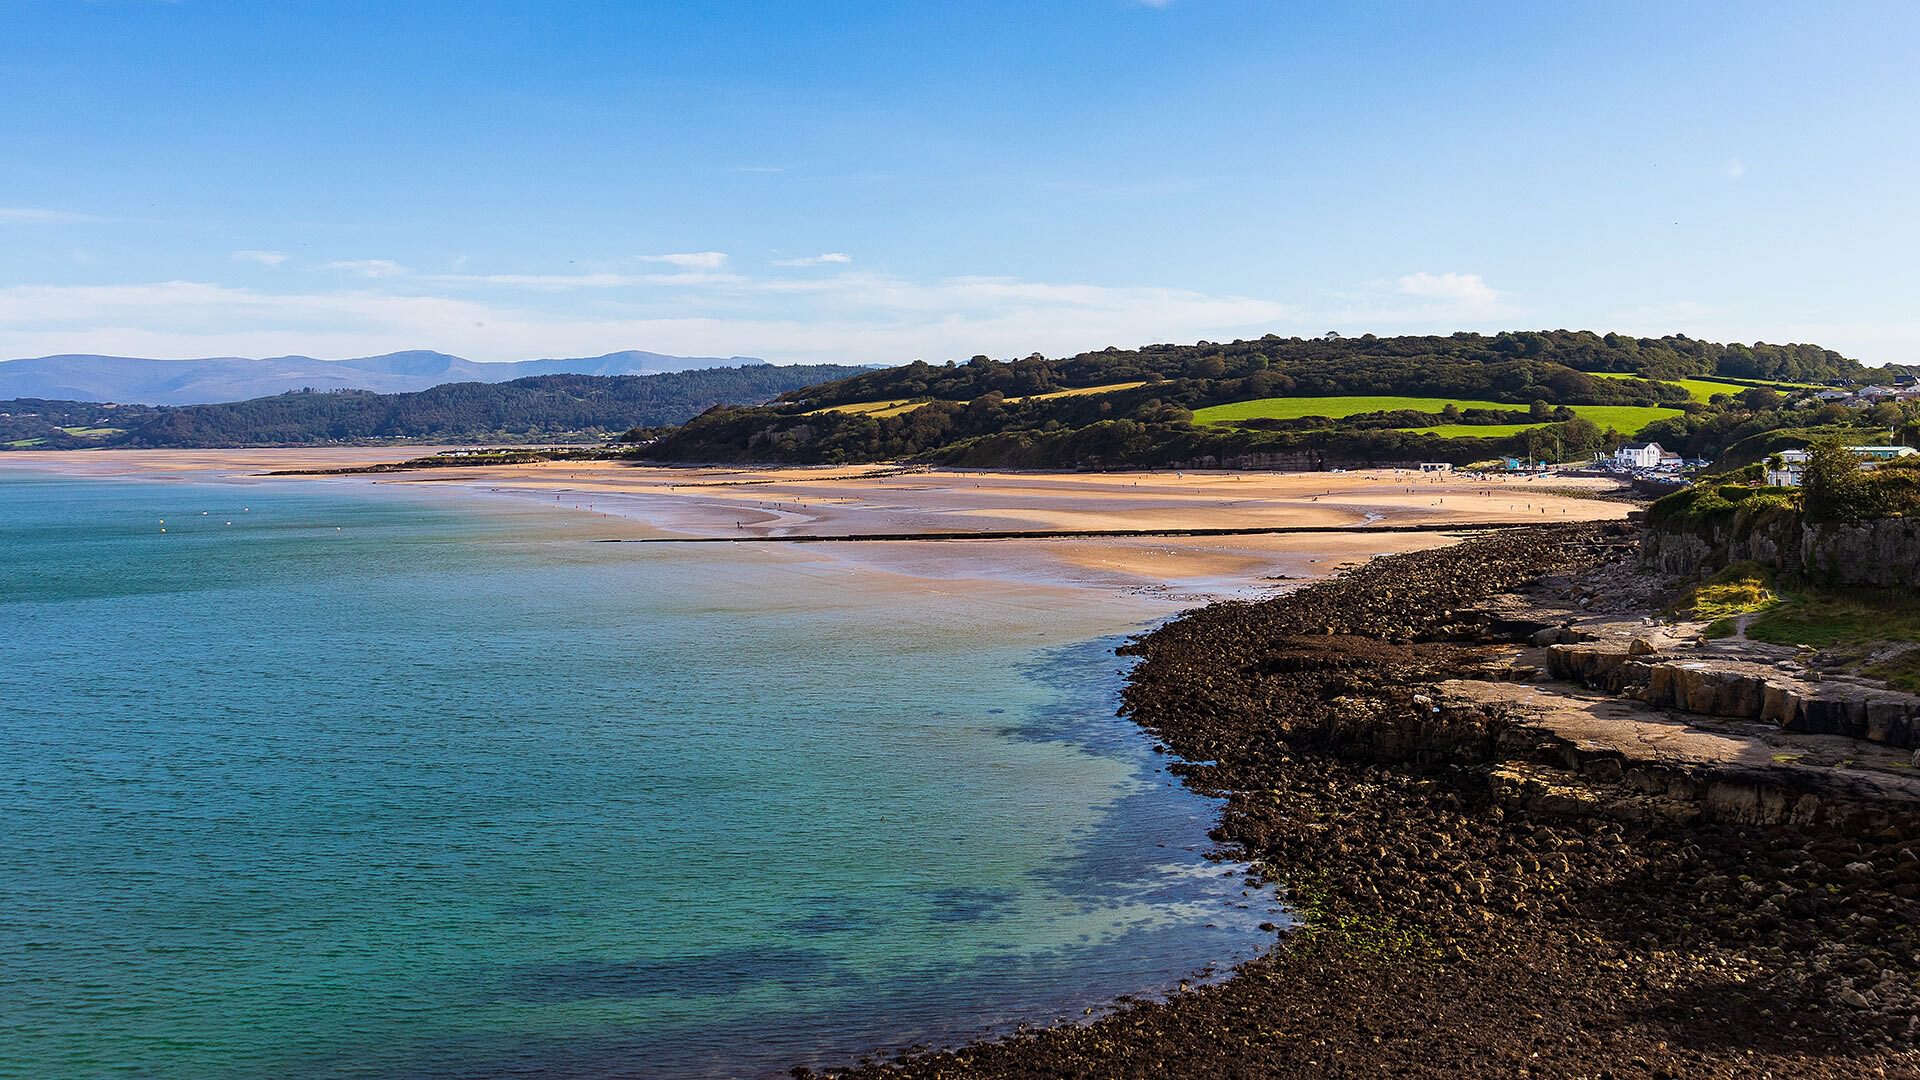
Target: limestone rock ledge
(1744, 690)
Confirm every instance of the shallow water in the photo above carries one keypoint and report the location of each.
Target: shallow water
(378, 783)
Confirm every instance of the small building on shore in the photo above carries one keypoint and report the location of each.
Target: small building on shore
(1435, 466)
(1638, 455)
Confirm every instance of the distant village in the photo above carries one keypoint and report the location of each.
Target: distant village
(1648, 460)
(1651, 461)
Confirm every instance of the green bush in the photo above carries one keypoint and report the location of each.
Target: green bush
(1835, 489)
(1690, 505)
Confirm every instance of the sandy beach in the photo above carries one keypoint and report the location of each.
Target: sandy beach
(635, 502)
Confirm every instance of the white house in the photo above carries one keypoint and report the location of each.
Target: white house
(1793, 466)
(1638, 455)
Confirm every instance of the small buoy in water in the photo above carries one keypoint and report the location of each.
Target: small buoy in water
(163, 530)
(229, 522)
(203, 513)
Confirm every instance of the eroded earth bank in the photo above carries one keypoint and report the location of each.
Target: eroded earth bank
(1530, 829)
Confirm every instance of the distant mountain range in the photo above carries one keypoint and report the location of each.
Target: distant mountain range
(137, 380)
(539, 408)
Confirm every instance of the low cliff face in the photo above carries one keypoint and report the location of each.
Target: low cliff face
(1746, 691)
(1883, 553)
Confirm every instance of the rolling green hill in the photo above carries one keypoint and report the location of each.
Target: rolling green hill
(1550, 393)
(1295, 408)
(1704, 390)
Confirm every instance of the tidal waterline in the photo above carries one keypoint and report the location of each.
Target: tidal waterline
(382, 783)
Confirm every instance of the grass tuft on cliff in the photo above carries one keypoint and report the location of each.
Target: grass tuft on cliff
(1740, 589)
(1866, 628)
(1830, 618)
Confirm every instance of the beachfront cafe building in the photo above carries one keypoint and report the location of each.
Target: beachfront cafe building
(1638, 455)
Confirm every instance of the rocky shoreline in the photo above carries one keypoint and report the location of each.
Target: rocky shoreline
(1483, 893)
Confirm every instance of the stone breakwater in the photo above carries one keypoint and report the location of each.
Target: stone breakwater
(1470, 903)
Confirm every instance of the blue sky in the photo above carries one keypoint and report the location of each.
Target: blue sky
(885, 181)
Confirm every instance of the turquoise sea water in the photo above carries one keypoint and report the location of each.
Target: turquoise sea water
(380, 784)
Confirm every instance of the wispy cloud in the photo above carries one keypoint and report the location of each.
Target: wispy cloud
(546, 281)
(367, 268)
(1464, 289)
(691, 260)
(845, 316)
(595, 280)
(837, 312)
(260, 258)
(825, 258)
(1735, 168)
(40, 215)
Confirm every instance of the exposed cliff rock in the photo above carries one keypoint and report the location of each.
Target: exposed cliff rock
(1745, 690)
(1883, 553)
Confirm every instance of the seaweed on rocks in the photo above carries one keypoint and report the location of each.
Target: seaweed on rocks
(1447, 930)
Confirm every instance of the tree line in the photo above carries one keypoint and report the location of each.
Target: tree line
(546, 407)
(970, 414)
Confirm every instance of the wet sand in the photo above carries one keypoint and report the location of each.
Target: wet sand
(842, 500)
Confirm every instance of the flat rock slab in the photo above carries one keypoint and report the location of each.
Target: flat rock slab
(1597, 724)
(1745, 689)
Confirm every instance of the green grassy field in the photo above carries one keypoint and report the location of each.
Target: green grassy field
(1470, 431)
(1293, 408)
(1702, 390)
(871, 408)
(1083, 391)
(92, 432)
(22, 444)
(1625, 419)
(898, 407)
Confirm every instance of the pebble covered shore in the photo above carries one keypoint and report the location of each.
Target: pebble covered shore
(1451, 929)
